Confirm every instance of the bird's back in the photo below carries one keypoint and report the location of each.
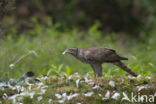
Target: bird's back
(98, 54)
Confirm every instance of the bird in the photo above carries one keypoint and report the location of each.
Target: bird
(96, 56)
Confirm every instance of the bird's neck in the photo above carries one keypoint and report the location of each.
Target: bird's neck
(75, 55)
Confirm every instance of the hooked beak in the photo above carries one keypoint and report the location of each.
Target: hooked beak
(65, 52)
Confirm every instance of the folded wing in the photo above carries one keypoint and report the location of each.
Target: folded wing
(101, 54)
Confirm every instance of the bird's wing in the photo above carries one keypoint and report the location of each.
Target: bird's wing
(101, 54)
(97, 69)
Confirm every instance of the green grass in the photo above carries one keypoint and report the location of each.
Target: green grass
(49, 43)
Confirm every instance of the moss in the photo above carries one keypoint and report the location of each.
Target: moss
(8, 91)
(27, 99)
(64, 85)
(68, 89)
(122, 84)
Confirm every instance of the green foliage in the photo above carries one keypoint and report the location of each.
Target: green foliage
(49, 43)
(56, 71)
(68, 70)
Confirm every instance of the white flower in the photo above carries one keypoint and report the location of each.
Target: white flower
(139, 76)
(116, 96)
(50, 100)
(29, 88)
(11, 80)
(72, 96)
(20, 98)
(31, 94)
(148, 77)
(88, 80)
(143, 87)
(44, 87)
(61, 101)
(42, 91)
(5, 96)
(17, 87)
(107, 95)
(70, 77)
(77, 83)
(44, 78)
(140, 88)
(76, 75)
(2, 85)
(22, 89)
(64, 95)
(78, 103)
(39, 98)
(112, 83)
(58, 96)
(155, 94)
(2, 88)
(13, 96)
(40, 84)
(87, 75)
(100, 95)
(96, 87)
(11, 66)
(14, 101)
(89, 94)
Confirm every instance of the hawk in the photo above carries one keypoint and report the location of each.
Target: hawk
(97, 56)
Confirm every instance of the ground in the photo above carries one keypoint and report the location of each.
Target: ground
(76, 89)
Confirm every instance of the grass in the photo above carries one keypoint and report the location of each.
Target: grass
(49, 43)
(60, 85)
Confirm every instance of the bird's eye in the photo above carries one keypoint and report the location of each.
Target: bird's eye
(70, 50)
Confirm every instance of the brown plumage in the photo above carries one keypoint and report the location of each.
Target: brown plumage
(97, 56)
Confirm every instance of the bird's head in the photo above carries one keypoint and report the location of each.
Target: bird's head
(72, 51)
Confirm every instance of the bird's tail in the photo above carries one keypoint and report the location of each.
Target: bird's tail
(124, 67)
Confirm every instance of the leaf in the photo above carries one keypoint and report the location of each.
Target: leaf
(151, 64)
(49, 71)
(43, 72)
(60, 67)
(68, 70)
(53, 66)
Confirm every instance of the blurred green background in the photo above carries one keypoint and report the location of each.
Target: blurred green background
(33, 35)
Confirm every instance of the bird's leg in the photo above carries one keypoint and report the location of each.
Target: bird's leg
(97, 69)
(95, 74)
(98, 73)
